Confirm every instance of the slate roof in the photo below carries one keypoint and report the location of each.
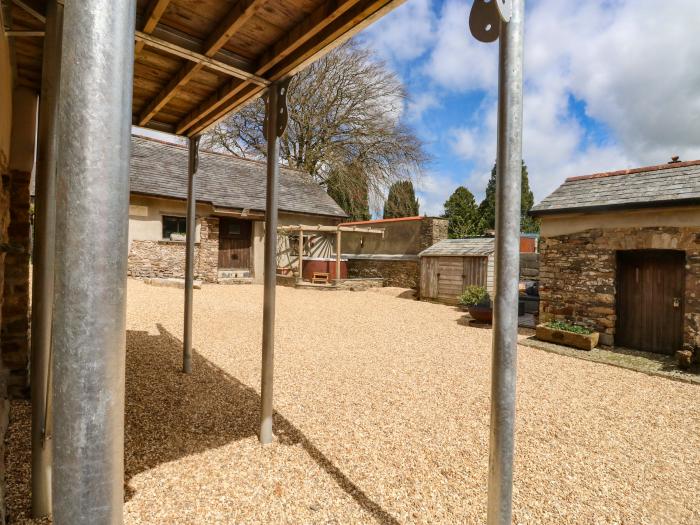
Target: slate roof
(673, 184)
(160, 169)
(475, 246)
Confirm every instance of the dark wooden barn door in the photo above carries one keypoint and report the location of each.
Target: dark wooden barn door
(234, 243)
(650, 300)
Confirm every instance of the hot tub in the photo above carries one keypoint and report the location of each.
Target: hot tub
(323, 264)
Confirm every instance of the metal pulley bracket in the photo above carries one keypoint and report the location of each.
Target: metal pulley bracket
(282, 114)
(486, 16)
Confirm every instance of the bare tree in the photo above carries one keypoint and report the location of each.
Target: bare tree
(344, 126)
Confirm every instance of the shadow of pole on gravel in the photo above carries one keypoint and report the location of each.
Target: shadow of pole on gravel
(170, 415)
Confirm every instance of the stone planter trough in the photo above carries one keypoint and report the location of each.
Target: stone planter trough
(562, 337)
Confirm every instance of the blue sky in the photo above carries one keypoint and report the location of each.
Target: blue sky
(609, 84)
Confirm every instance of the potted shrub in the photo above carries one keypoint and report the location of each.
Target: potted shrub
(476, 300)
(568, 334)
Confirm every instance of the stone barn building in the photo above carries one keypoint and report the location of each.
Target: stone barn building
(230, 194)
(620, 253)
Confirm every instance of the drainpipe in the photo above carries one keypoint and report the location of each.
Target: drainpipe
(193, 166)
(43, 262)
(92, 211)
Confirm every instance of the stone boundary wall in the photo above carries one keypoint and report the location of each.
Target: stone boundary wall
(162, 259)
(432, 230)
(397, 270)
(401, 273)
(578, 275)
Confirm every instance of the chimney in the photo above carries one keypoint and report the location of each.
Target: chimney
(675, 159)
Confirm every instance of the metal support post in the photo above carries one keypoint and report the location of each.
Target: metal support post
(275, 123)
(92, 202)
(505, 308)
(190, 234)
(43, 262)
(337, 256)
(300, 251)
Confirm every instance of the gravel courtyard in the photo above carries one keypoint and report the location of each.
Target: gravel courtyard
(382, 417)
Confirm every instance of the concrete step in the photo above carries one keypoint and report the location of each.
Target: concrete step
(241, 280)
(172, 282)
(234, 274)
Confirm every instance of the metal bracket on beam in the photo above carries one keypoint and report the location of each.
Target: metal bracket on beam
(282, 87)
(486, 16)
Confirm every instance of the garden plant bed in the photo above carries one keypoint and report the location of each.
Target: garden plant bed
(584, 341)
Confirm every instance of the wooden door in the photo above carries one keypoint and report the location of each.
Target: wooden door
(428, 277)
(455, 273)
(234, 244)
(475, 269)
(650, 296)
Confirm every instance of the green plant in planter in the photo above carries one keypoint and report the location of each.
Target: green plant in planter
(568, 327)
(475, 296)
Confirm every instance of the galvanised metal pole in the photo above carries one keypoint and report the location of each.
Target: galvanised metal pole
(43, 261)
(270, 278)
(92, 206)
(191, 232)
(505, 308)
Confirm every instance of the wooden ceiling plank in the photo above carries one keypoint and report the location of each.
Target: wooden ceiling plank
(311, 26)
(32, 7)
(154, 12)
(355, 20)
(193, 56)
(236, 18)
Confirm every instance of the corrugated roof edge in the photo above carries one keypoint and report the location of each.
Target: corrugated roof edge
(658, 167)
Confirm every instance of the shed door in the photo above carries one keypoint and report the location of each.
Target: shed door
(650, 300)
(455, 273)
(234, 243)
(428, 277)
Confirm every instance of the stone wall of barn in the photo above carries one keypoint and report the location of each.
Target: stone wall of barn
(15, 304)
(578, 275)
(161, 259)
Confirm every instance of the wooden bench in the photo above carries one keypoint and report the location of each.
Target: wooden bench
(321, 277)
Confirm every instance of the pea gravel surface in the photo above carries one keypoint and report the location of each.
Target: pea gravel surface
(382, 417)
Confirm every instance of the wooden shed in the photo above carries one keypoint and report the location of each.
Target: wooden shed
(449, 266)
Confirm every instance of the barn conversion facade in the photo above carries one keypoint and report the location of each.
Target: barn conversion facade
(620, 253)
(230, 233)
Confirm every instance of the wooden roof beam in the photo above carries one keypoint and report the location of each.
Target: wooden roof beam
(321, 228)
(32, 7)
(234, 21)
(193, 56)
(154, 12)
(310, 38)
(307, 29)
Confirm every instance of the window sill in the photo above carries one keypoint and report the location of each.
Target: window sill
(168, 241)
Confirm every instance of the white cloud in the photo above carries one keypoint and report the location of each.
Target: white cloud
(433, 189)
(633, 63)
(459, 62)
(406, 34)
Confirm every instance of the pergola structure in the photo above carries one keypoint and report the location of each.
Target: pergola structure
(338, 230)
(179, 66)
